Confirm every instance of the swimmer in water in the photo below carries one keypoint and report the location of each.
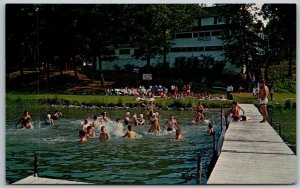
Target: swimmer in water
(171, 123)
(135, 119)
(95, 122)
(155, 125)
(82, 136)
(90, 132)
(130, 133)
(104, 135)
(104, 118)
(127, 119)
(57, 114)
(178, 135)
(141, 120)
(25, 120)
(199, 117)
(49, 120)
(210, 130)
(85, 125)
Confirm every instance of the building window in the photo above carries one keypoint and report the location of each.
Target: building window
(192, 49)
(109, 52)
(204, 36)
(195, 35)
(214, 48)
(216, 33)
(184, 35)
(178, 49)
(201, 49)
(124, 51)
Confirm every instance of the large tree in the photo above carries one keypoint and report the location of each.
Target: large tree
(240, 35)
(281, 30)
(151, 26)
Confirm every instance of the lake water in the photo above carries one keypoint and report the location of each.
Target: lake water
(150, 159)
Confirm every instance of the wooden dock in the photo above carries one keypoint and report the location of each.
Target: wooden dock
(43, 181)
(253, 153)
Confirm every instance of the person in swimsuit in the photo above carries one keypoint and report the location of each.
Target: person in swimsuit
(155, 125)
(57, 114)
(82, 136)
(90, 132)
(49, 120)
(104, 118)
(127, 120)
(134, 119)
(104, 135)
(235, 111)
(95, 123)
(199, 117)
(141, 119)
(85, 125)
(171, 123)
(130, 133)
(210, 130)
(25, 121)
(263, 95)
(178, 135)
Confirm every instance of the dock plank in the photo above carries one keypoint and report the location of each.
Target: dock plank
(253, 153)
(42, 181)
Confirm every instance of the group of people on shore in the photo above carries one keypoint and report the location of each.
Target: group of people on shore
(160, 91)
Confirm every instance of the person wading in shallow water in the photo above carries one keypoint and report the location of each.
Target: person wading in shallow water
(25, 121)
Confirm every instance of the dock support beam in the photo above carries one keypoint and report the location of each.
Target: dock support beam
(36, 166)
(199, 169)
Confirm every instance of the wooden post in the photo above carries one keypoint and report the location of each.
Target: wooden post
(221, 118)
(279, 130)
(214, 143)
(199, 169)
(271, 122)
(36, 164)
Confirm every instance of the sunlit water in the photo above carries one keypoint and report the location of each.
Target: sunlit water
(150, 159)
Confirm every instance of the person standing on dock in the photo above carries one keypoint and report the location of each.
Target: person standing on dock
(264, 92)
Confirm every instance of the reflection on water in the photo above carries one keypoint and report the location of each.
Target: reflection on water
(151, 159)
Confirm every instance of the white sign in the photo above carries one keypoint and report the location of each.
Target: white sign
(147, 76)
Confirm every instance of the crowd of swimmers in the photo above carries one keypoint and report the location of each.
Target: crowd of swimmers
(89, 127)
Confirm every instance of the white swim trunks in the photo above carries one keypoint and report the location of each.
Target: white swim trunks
(263, 101)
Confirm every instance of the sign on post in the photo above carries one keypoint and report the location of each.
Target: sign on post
(147, 76)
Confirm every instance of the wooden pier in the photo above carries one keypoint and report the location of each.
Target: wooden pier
(253, 153)
(43, 181)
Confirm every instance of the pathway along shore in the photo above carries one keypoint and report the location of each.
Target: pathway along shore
(253, 153)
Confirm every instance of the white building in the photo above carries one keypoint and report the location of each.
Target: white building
(203, 39)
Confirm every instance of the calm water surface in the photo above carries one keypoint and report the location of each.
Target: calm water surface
(150, 159)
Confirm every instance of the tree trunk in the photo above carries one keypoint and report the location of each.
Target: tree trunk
(148, 63)
(48, 72)
(101, 71)
(290, 73)
(75, 68)
(165, 47)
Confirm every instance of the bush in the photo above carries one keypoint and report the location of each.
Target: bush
(287, 104)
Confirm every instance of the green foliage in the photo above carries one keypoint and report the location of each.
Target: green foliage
(287, 104)
(277, 77)
(287, 119)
